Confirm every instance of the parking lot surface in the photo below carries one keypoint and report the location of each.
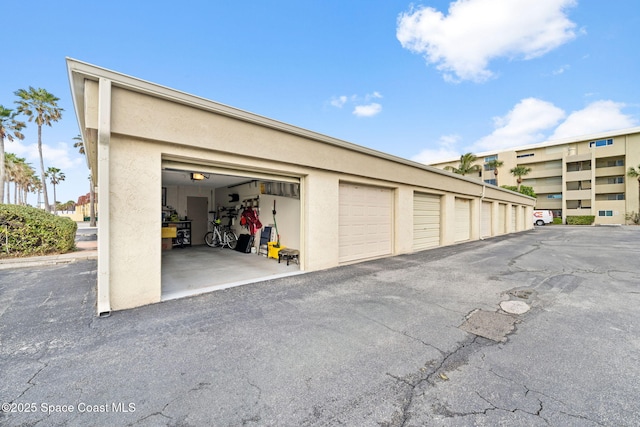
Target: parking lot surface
(538, 328)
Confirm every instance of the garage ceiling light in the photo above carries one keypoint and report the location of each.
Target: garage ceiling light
(198, 176)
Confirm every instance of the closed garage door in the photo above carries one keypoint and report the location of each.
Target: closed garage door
(521, 217)
(485, 229)
(463, 220)
(513, 219)
(365, 222)
(426, 221)
(502, 218)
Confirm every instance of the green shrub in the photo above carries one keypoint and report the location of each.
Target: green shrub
(557, 220)
(581, 220)
(524, 189)
(27, 231)
(633, 217)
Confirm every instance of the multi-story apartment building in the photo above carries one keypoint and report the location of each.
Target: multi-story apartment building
(586, 175)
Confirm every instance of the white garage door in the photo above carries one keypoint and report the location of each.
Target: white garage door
(485, 227)
(365, 222)
(521, 217)
(502, 218)
(513, 219)
(463, 220)
(426, 221)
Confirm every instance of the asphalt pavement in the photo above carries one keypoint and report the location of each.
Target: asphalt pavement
(431, 338)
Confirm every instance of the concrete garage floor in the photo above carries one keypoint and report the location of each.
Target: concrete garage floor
(198, 269)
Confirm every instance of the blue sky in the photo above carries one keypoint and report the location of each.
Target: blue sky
(424, 81)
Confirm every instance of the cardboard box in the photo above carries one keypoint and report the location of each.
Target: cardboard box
(167, 244)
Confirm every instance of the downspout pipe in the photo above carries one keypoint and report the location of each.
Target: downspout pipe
(104, 139)
(480, 211)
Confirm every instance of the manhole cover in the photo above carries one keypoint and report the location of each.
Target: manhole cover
(488, 324)
(515, 307)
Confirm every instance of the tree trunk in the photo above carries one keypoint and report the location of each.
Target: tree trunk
(42, 176)
(2, 171)
(55, 205)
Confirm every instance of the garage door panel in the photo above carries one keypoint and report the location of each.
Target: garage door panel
(462, 220)
(365, 222)
(426, 221)
(487, 213)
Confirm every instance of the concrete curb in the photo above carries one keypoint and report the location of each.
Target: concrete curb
(82, 254)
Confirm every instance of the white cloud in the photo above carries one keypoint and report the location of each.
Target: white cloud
(561, 70)
(363, 105)
(524, 124)
(599, 116)
(368, 110)
(446, 150)
(58, 156)
(530, 122)
(462, 43)
(338, 101)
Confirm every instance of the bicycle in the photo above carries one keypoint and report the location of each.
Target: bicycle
(217, 238)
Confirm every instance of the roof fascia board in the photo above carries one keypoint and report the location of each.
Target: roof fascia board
(78, 71)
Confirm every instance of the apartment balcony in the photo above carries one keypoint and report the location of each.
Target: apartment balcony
(611, 171)
(547, 189)
(544, 203)
(610, 188)
(578, 158)
(583, 175)
(577, 194)
(544, 173)
(578, 212)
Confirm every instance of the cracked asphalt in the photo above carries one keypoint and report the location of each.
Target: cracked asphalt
(372, 344)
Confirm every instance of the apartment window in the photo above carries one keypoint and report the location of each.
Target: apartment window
(601, 143)
(489, 158)
(520, 156)
(491, 181)
(615, 180)
(615, 196)
(605, 213)
(554, 196)
(614, 163)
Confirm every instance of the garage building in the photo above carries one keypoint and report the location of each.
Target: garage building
(160, 157)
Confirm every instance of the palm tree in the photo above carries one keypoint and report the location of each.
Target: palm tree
(79, 144)
(519, 172)
(41, 106)
(635, 173)
(466, 165)
(495, 164)
(32, 184)
(10, 165)
(55, 177)
(9, 128)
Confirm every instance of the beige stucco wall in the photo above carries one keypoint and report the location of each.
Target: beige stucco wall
(149, 129)
(135, 222)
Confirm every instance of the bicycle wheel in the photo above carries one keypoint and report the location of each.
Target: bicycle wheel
(232, 239)
(211, 239)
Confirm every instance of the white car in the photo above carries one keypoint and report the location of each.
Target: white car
(542, 217)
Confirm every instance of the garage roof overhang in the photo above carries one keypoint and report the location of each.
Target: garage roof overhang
(80, 72)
